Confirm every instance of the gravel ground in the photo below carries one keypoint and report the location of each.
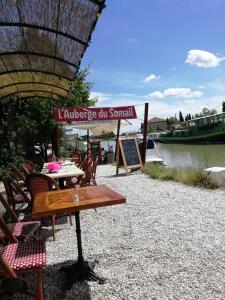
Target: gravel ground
(166, 242)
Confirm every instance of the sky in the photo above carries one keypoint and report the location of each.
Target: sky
(169, 53)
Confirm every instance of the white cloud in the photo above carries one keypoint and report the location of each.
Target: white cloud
(158, 107)
(162, 109)
(176, 92)
(102, 97)
(150, 78)
(203, 59)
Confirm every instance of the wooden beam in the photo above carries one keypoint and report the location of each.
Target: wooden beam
(117, 147)
(145, 135)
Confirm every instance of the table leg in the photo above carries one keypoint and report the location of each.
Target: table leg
(61, 183)
(80, 270)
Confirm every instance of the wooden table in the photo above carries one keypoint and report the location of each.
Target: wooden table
(69, 169)
(61, 201)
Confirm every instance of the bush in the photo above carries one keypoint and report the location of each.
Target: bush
(187, 176)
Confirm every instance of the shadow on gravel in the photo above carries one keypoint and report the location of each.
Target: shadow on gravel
(121, 175)
(54, 286)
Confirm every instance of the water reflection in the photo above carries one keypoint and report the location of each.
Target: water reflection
(195, 156)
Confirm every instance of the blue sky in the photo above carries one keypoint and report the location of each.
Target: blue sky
(169, 53)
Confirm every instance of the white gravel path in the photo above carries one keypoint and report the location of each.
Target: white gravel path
(166, 242)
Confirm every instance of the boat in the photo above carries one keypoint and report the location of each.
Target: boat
(204, 130)
(154, 136)
(154, 157)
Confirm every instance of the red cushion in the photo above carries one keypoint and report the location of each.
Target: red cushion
(25, 255)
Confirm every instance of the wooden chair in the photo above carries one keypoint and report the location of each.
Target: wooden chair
(17, 175)
(28, 167)
(86, 179)
(37, 183)
(94, 169)
(18, 258)
(21, 230)
(72, 182)
(15, 194)
(76, 158)
(83, 162)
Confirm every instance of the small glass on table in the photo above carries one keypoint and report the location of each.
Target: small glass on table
(75, 195)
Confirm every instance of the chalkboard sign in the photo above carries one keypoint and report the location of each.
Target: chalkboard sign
(129, 152)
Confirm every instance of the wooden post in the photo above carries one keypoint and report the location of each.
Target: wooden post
(88, 143)
(117, 147)
(145, 133)
(56, 141)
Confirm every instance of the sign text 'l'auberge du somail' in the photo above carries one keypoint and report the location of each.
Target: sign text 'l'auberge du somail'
(63, 114)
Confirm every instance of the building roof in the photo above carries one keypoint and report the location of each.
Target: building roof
(42, 43)
(156, 120)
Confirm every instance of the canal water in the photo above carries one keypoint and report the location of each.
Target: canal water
(179, 156)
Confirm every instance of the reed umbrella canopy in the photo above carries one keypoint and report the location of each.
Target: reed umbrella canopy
(42, 44)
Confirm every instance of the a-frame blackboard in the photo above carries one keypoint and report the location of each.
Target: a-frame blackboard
(128, 155)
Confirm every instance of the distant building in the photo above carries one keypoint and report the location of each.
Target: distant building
(156, 124)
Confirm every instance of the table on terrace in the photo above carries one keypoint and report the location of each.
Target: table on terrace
(69, 169)
(60, 202)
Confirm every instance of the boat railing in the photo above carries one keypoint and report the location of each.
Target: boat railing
(193, 131)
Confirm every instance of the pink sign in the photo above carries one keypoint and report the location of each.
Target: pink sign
(64, 114)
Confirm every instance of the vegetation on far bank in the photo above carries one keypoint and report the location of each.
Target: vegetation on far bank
(187, 176)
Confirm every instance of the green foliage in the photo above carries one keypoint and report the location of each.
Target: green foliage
(187, 176)
(26, 122)
(107, 135)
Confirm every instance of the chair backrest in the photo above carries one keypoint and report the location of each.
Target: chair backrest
(8, 189)
(86, 179)
(29, 165)
(86, 164)
(94, 169)
(17, 174)
(9, 210)
(37, 183)
(76, 157)
(12, 189)
(83, 162)
(11, 237)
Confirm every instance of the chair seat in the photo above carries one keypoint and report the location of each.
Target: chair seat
(24, 256)
(22, 229)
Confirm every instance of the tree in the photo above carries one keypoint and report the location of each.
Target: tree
(205, 111)
(213, 111)
(223, 106)
(27, 122)
(181, 119)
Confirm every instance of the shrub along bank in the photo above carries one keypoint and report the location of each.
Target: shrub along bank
(187, 176)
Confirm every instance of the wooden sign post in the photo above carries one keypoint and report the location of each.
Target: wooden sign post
(128, 155)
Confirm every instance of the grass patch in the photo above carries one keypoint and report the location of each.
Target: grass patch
(187, 176)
